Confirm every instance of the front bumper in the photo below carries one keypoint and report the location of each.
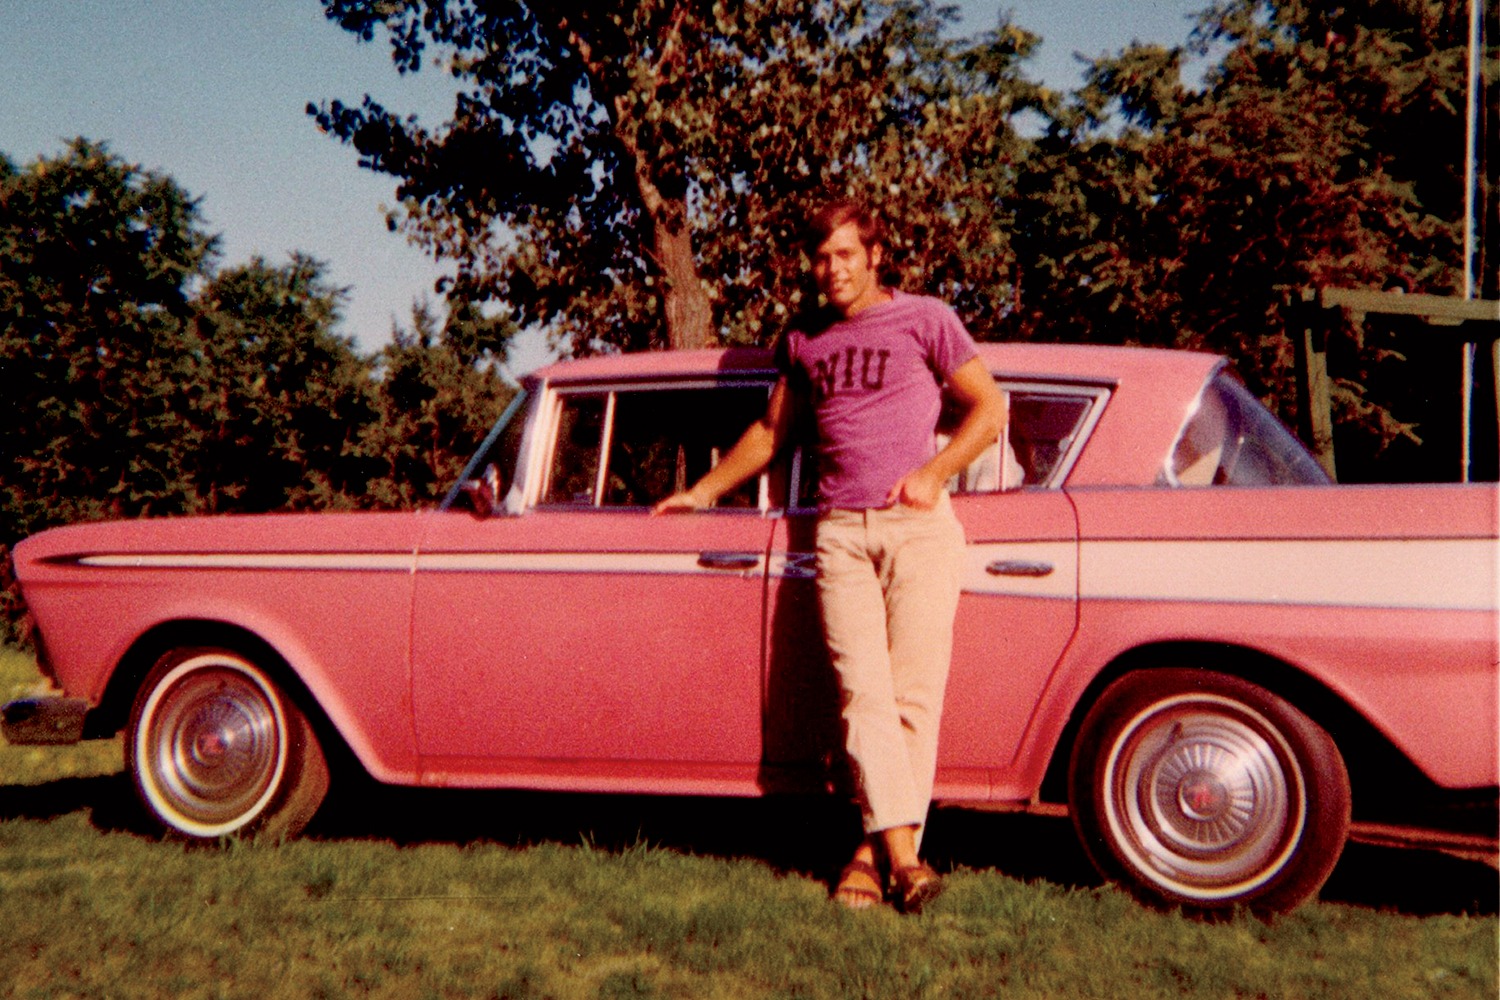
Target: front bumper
(44, 720)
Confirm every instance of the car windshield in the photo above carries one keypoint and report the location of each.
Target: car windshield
(1233, 440)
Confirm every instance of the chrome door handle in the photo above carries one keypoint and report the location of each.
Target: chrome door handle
(800, 566)
(1018, 567)
(728, 560)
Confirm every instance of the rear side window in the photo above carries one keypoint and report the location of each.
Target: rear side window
(1045, 430)
(1231, 439)
(575, 459)
(630, 447)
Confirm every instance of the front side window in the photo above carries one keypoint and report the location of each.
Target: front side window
(630, 447)
(1233, 440)
(574, 477)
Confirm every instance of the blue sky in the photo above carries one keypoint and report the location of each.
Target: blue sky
(212, 93)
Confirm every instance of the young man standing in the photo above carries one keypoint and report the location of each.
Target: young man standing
(889, 549)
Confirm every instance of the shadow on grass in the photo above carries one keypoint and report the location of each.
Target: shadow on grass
(1419, 883)
(813, 836)
(805, 836)
(109, 799)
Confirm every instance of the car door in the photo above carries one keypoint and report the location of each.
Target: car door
(1019, 608)
(583, 642)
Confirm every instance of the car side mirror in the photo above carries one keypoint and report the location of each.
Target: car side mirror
(484, 492)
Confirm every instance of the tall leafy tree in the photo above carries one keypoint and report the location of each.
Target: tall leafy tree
(145, 382)
(96, 259)
(435, 401)
(96, 263)
(888, 109)
(150, 383)
(279, 406)
(632, 173)
(1158, 213)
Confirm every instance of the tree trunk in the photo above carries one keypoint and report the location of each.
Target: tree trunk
(686, 307)
(689, 313)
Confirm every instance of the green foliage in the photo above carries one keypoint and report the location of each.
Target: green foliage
(144, 382)
(1165, 215)
(151, 384)
(633, 175)
(434, 406)
(96, 259)
(884, 107)
(95, 262)
(276, 412)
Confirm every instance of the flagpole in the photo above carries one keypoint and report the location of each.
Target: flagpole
(1471, 179)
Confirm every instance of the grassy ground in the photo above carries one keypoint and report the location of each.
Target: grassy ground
(404, 894)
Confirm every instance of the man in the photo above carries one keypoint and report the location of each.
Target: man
(889, 549)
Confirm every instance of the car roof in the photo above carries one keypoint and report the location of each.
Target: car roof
(1071, 362)
(1152, 391)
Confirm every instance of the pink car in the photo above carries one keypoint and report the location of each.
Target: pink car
(1173, 627)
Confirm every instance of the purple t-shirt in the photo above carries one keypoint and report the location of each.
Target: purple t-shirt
(874, 381)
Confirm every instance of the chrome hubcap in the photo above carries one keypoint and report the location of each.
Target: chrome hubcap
(1204, 796)
(211, 749)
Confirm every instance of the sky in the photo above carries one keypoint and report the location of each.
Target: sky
(213, 92)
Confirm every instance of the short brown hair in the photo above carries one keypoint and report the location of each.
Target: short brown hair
(821, 224)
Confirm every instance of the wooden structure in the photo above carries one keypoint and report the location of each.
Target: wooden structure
(1469, 324)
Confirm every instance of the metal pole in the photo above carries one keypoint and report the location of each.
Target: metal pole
(1471, 181)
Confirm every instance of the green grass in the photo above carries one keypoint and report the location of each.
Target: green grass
(89, 908)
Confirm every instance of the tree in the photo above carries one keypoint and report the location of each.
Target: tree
(1160, 214)
(152, 384)
(96, 261)
(279, 406)
(632, 174)
(96, 257)
(889, 110)
(435, 404)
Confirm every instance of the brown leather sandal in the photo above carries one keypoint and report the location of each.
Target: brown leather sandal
(914, 886)
(851, 893)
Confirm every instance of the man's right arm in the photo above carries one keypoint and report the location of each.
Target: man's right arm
(749, 456)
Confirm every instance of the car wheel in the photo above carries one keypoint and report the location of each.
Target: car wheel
(1202, 790)
(217, 749)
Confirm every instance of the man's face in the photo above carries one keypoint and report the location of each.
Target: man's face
(847, 272)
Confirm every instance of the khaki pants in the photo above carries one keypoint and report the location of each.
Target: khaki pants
(888, 585)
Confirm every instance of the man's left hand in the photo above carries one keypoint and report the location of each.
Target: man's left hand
(920, 489)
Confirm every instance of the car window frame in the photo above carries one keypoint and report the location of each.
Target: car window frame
(1099, 396)
(521, 407)
(541, 450)
(1098, 393)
